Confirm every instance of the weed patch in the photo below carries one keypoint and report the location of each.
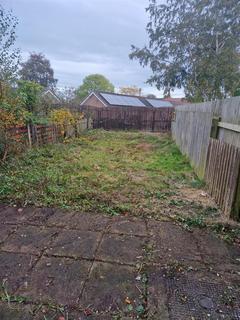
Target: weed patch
(109, 172)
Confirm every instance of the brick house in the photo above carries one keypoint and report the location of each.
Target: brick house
(106, 99)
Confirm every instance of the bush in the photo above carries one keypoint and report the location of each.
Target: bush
(64, 119)
(12, 115)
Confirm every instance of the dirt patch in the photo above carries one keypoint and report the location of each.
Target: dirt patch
(146, 147)
(197, 195)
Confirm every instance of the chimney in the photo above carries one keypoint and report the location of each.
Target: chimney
(140, 91)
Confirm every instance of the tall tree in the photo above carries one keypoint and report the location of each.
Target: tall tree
(9, 56)
(29, 92)
(151, 96)
(132, 90)
(38, 69)
(66, 94)
(193, 44)
(94, 82)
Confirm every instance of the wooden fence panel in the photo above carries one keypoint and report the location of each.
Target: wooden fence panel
(216, 160)
(130, 118)
(20, 134)
(191, 131)
(222, 173)
(192, 127)
(39, 135)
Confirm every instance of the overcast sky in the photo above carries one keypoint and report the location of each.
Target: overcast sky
(82, 37)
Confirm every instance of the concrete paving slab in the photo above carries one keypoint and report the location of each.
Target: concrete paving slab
(14, 270)
(108, 288)
(215, 250)
(78, 244)
(79, 221)
(104, 268)
(5, 231)
(58, 280)
(15, 312)
(41, 215)
(130, 226)
(29, 239)
(124, 249)
(170, 242)
(16, 215)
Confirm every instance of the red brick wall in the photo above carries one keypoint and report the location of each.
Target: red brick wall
(94, 102)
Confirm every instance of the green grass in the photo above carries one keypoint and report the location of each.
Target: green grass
(109, 172)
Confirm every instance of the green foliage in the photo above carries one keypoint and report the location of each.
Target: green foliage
(237, 92)
(194, 45)
(94, 82)
(168, 157)
(6, 297)
(29, 92)
(9, 57)
(197, 183)
(12, 114)
(38, 69)
(189, 222)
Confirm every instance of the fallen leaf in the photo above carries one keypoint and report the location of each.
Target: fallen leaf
(88, 312)
(128, 301)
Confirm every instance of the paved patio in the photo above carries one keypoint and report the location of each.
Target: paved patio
(56, 264)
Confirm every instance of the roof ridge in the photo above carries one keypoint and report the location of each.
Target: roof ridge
(140, 101)
(126, 95)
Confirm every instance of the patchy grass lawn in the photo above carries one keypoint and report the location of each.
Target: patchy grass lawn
(111, 172)
(129, 173)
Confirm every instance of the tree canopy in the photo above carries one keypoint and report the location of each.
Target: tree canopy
(29, 92)
(94, 82)
(9, 56)
(38, 69)
(66, 94)
(193, 44)
(131, 90)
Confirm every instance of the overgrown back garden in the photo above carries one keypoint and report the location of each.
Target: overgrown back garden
(113, 173)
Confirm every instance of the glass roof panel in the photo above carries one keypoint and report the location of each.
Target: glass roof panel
(122, 100)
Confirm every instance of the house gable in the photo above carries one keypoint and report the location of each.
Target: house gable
(50, 96)
(94, 101)
(102, 99)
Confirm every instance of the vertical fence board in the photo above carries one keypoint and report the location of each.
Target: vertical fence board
(217, 161)
(131, 118)
(223, 164)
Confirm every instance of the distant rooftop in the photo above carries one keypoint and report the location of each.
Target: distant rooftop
(116, 99)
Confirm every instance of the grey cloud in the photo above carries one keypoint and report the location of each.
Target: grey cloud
(84, 36)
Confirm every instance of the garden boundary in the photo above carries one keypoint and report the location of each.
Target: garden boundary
(209, 134)
(130, 118)
(19, 138)
(44, 134)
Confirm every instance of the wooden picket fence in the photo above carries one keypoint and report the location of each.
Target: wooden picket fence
(222, 174)
(44, 134)
(131, 118)
(209, 134)
(36, 134)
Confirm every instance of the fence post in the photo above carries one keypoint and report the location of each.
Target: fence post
(235, 214)
(153, 122)
(215, 129)
(87, 122)
(36, 134)
(29, 135)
